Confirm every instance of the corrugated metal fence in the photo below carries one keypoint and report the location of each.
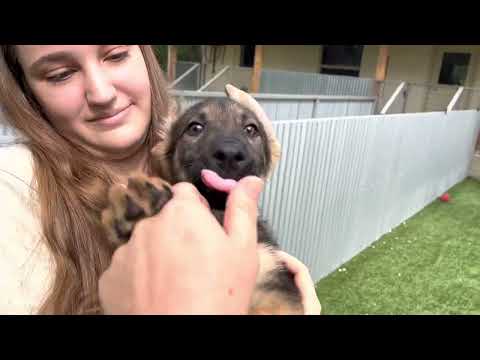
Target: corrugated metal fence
(291, 82)
(344, 182)
(292, 107)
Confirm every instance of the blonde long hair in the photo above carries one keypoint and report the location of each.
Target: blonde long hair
(71, 185)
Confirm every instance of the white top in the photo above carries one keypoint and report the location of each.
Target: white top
(26, 267)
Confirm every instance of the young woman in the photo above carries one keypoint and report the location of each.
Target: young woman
(88, 116)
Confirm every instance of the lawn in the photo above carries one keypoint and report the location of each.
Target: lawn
(428, 265)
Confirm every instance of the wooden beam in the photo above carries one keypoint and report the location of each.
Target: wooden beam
(172, 63)
(257, 69)
(380, 73)
(382, 62)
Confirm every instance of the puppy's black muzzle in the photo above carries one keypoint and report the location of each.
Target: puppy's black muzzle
(229, 157)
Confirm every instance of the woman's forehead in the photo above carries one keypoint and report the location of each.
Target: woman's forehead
(29, 54)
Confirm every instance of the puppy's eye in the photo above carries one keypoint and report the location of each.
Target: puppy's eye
(194, 129)
(251, 130)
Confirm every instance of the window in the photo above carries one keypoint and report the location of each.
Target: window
(346, 72)
(341, 59)
(247, 55)
(454, 68)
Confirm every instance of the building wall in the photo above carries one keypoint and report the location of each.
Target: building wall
(421, 64)
(281, 57)
(406, 62)
(412, 63)
(303, 58)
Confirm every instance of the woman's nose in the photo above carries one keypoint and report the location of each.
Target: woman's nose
(99, 88)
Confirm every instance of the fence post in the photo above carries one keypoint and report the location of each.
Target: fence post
(172, 63)
(257, 69)
(377, 93)
(405, 97)
(314, 110)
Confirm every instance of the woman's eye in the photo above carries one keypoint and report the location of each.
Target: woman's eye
(64, 75)
(251, 130)
(118, 56)
(195, 129)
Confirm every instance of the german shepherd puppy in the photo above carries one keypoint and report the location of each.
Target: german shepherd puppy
(223, 136)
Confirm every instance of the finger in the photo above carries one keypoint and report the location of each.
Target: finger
(106, 282)
(293, 264)
(185, 191)
(204, 202)
(304, 282)
(240, 221)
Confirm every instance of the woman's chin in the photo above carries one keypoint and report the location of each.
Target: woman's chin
(117, 149)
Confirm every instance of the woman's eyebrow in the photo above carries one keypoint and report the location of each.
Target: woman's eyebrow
(50, 58)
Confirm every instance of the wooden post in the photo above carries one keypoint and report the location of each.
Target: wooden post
(203, 65)
(257, 69)
(172, 63)
(382, 60)
(381, 72)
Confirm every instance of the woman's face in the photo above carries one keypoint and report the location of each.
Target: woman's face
(95, 95)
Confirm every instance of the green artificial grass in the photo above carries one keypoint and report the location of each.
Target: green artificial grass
(428, 265)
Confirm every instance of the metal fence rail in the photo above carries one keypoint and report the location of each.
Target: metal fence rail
(292, 107)
(291, 82)
(342, 183)
(277, 107)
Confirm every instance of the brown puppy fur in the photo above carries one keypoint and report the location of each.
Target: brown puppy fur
(225, 137)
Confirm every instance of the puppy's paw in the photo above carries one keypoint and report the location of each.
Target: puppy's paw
(143, 197)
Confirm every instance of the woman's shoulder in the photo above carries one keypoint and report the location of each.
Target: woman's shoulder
(12, 155)
(25, 262)
(16, 164)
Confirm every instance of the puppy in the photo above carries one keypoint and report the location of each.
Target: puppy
(225, 137)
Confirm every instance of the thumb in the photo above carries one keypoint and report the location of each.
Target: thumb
(240, 221)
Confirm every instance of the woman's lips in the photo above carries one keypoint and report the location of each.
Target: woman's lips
(113, 120)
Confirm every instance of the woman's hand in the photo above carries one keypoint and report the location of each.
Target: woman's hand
(304, 282)
(182, 261)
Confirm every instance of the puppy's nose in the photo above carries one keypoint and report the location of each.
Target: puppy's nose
(229, 154)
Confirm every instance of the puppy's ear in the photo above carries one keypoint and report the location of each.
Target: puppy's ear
(275, 154)
(250, 103)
